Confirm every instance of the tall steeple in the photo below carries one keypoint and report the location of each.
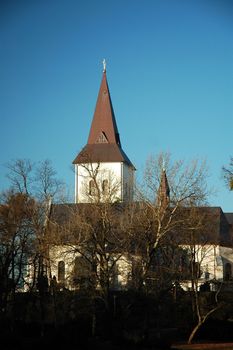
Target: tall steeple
(103, 154)
(103, 144)
(104, 127)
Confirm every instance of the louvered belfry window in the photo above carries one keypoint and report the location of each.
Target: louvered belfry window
(102, 138)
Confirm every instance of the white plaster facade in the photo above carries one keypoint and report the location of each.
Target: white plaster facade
(215, 262)
(66, 254)
(121, 273)
(119, 177)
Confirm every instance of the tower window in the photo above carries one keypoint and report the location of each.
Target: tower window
(92, 188)
(105, 186)
(61, 271)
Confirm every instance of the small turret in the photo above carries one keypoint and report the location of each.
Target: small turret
(163, 197)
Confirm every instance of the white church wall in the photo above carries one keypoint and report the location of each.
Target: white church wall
(210, 260)
(67, 254)
(122, 272)
(227, 260)
(117, 175)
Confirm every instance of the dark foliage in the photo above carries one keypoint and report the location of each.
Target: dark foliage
(133, 321)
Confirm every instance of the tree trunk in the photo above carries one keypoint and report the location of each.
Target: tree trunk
(194, 331)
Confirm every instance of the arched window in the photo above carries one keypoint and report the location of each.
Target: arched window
(92, 189)
(61, 271)
(227, 274)
(105, 186)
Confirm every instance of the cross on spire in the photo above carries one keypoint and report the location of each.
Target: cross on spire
(104, 65)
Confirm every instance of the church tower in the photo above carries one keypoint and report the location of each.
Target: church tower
(103, 172)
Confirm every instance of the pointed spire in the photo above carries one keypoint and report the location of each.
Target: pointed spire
(164, 190)
(103, 143)
(104, 127)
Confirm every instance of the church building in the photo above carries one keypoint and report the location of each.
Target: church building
(105, 174)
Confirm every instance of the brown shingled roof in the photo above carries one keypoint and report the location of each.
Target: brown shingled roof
(103, 143)
(102, 153)
(104, 120)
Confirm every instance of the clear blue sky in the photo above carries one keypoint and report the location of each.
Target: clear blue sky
(169, 68)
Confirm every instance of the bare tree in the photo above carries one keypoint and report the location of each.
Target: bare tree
(21, 175)
(228, 174)
(39, 183)
(91, 241)
(47, 185)
(16, 242)
(200, 251)
(37, 180)
(161, 215)
(98, 231)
